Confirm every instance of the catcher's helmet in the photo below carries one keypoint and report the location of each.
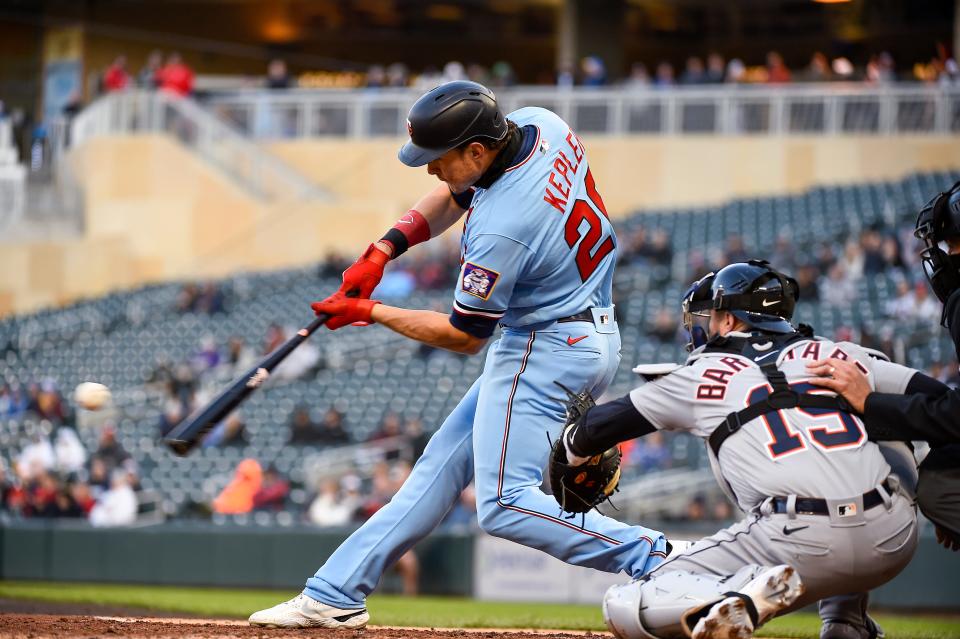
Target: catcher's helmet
(938, 220)
(450, 115)
(754, 292)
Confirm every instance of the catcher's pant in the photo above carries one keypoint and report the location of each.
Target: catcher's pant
(833, 554)
(501, 432)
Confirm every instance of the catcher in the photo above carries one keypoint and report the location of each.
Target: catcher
(826, 516)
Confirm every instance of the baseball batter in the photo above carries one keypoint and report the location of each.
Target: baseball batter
(537, 258)
(826, 515)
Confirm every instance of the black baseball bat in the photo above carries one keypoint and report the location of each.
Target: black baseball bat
(187, 434)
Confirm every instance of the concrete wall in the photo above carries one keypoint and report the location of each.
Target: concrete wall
(646, 171)
(156, 212)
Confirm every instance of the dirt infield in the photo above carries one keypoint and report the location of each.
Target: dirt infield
(31, 626)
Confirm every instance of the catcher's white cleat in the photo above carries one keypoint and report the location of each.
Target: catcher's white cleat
(304, 612)
(770, 592)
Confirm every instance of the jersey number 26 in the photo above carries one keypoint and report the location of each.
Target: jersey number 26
(589, 255)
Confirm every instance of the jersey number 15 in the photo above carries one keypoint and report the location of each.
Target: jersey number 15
(589, 255)
(827, 429)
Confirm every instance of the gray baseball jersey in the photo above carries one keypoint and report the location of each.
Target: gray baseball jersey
(806, 452)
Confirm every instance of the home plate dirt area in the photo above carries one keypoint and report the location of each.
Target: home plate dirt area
(41, 626)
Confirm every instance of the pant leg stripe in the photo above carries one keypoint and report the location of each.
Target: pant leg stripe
(503, 461)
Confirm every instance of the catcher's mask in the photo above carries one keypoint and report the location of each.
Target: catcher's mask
(754, 292)
(938, 220)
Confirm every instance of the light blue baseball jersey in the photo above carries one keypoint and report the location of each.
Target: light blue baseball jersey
(537, 245)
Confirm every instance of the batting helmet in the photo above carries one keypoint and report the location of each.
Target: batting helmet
(938, 220)
(450, 115)
(754, 292)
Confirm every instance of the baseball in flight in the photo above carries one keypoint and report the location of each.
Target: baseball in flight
(91, 395)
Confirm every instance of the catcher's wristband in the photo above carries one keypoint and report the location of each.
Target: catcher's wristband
(410, 229)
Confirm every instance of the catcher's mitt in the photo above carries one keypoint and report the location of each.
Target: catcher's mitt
(580, 488)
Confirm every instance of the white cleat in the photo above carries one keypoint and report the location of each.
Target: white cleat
(771, 592)
(679, 546)
(304, 612)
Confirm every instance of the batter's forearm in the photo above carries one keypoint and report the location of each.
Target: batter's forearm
(428, 327)
(440, 209)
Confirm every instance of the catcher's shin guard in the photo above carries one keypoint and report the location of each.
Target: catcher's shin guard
(653, 607)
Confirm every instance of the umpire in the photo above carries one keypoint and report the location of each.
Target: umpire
(934, 416)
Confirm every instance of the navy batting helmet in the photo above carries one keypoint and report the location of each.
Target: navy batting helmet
(450, 115)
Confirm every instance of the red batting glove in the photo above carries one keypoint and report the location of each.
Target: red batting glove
(345, 310)
(364, 274)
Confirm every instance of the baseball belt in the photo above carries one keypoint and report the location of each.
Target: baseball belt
(814, 506)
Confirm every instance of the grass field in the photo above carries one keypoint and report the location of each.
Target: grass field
(387, 610)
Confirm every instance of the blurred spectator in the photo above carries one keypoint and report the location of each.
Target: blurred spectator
(639, 78)
(71, 456)
(417, 438)
(231, 431)
(398, 75)
(187, 298)
(891, 254)
(149, 75)
(376, 77)
(880, 69)
(117, 506)
(735, 250)
(502, 75)
(693, 72)
(664, 326)
(332, 431)
(240, 357)
(736, 71)
(696, 508)
(807, 281)
(116, 78)
(36, 457)
(46, 402)
(42, 493)
(390, 427)
(273, 491)
(565, 77)
(302, 428)
(329, 508)
(650, 453)
(715, 68)
(207, 356)
(872, 245)
(109, 450)
(818, 70)
(664, 76)
(777, 71)
(275, 337)
(842, 68)
(176, 77)
(398, 283)
(99, 480)
(837, 289)
(210, 300)
(277, 75)
(81, 496)
(237, 496)
(303, 361)
(593, 71)
(721, 510)
(853, 260)
(453, 71)
(914, 304)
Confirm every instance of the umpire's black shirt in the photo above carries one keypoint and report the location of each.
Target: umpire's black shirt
(930, 414)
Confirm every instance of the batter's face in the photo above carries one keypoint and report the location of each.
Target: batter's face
(461, 167)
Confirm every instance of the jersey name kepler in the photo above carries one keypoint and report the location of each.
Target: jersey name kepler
(562, 166)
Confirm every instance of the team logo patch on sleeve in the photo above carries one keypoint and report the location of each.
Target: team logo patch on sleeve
(478, 281)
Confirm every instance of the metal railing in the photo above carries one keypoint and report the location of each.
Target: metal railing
(250, 167)
(809, 109)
